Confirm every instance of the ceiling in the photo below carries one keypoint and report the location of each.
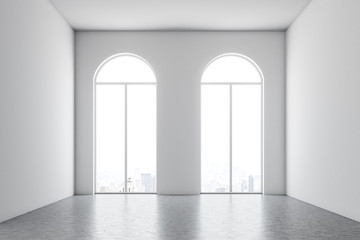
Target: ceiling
(223, 15)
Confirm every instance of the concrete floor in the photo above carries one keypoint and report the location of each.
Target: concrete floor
(180, 217)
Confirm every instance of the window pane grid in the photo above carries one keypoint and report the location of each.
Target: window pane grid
(215, 138)
(110, 151)
(244, 124)
(135, 107)
(254, 182)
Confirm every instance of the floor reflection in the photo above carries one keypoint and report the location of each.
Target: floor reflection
(206, 216)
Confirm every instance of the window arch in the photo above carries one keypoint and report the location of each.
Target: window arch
(125, 68)
(232, 68)
(231, 125)
(125, 125)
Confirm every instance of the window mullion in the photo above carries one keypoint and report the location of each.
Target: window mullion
(126, 138)
(230, 135)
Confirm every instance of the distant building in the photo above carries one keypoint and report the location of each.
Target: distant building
(130, 186)
(138, 185)
(243, 186)
(220, 189)
(146, 181)
(154, 183)
(251, 183)
(104, 189)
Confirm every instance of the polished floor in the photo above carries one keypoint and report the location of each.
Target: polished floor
(180, 217)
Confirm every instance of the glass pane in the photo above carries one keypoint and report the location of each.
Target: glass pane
(215, 127)
(231, 68)
(110, 138)
(141, 135)
(125, 68)
(246, 138)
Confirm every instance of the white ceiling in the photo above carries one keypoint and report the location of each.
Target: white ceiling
(180, 15)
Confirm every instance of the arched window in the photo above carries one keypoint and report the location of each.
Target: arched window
(125, 125)
(231, 125)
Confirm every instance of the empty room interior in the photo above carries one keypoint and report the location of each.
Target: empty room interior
(180, 119)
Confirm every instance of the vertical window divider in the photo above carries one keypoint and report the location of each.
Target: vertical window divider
(126, 110)
(262, 137)
(230, 135)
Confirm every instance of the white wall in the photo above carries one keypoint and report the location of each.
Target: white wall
(36, 107)
(323, 106)
(178, 59)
